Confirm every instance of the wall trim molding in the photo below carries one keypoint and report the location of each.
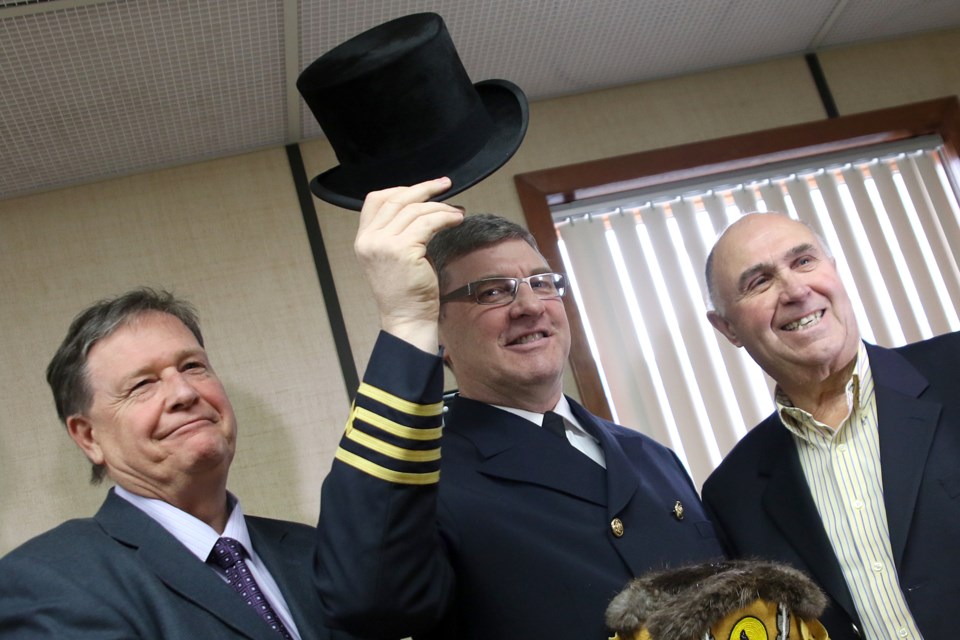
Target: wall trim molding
(321, 262)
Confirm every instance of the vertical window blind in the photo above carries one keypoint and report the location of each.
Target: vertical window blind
(636, 264)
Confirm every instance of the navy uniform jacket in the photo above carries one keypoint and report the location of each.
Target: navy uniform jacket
(122, 575)
(760, 500)
(519, 536)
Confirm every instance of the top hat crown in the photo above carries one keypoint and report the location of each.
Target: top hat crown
(398, 108)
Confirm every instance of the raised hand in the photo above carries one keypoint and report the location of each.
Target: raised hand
(391, 244)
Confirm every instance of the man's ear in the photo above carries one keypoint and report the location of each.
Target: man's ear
(81, 430)
(443, 350)
(720, 324)
(445, 357)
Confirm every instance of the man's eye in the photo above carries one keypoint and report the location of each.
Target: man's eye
(140, 385)
(491, 293)
(543, 284)
(494, 291)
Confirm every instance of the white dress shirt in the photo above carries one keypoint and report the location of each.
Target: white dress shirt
(576, 435)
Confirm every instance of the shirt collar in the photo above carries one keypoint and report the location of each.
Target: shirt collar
(563, 408)
(800, 422)
(194, 534)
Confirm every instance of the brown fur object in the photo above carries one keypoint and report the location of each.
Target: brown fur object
(683, 604)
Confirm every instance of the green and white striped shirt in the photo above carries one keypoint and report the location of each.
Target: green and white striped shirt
(843, 472)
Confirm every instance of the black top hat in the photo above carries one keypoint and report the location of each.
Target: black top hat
(398, 108)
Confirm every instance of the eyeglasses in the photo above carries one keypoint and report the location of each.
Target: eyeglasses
(504, 290)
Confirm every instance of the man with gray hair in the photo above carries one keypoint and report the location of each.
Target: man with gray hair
(854, 478)
(170, 553)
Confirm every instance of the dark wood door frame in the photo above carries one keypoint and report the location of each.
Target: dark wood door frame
(538, 190)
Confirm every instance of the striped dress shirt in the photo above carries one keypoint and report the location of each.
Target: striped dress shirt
(842, 469)
(199, 538)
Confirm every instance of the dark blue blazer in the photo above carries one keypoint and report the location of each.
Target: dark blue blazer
(760, 501)
(516, 541)
(122, 575)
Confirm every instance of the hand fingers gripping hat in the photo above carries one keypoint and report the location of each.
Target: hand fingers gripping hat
(734, 600)
(398, 108)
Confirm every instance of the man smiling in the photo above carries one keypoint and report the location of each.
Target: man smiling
(529, 532)
(778, 295)
(170, 553)
(510, 352)
(854, 477)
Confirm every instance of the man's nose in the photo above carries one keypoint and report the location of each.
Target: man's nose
(180, 391)
(793, 287)
(526, 302)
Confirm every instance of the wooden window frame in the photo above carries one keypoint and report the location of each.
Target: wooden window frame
(538, 190)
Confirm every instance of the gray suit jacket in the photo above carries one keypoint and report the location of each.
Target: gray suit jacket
(121, 575)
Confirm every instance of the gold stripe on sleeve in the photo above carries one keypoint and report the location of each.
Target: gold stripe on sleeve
(371, 418)
(395, 402)
(392, 451)
(375, 470)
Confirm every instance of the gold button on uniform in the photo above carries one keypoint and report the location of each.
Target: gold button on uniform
(616, 525)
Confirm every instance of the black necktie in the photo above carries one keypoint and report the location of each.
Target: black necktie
(554, 423)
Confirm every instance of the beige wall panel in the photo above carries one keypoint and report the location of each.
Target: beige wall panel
(669, 112)
(228, 236)
(895, 72)
(339, 227)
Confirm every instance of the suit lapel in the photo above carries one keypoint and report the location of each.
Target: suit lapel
(906, 426)
(622, 480)
(179, 569)
(291, 571)
(506, 441)
(629, 495)
(788, 502)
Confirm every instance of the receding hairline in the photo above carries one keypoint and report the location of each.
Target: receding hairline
(709, 275)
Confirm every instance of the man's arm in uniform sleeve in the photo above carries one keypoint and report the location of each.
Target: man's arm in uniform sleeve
(381, 567)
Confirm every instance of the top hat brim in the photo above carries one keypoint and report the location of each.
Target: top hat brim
(507, 107)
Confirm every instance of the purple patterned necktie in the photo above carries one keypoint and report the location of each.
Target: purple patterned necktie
(228, 555)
